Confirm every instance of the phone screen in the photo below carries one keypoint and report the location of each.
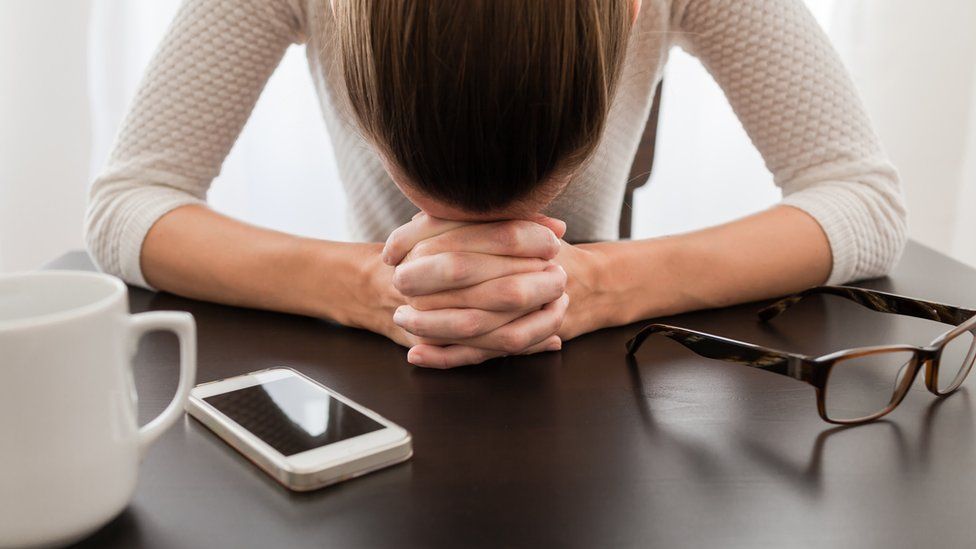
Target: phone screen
(293, 415)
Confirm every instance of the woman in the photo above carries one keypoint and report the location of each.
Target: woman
(484, 115)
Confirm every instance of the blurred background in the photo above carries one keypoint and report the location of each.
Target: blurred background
(70, 68)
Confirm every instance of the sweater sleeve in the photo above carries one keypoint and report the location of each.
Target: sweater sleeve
(796, 101)
(193, 101)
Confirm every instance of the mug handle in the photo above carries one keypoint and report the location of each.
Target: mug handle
(185, 328)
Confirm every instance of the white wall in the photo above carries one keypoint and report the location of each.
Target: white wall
(44, 129)
(915, 66)
(706, 170)
(281, 172)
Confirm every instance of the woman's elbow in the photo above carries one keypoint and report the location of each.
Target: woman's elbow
(886, 233)
(101, 215)
(120, 213)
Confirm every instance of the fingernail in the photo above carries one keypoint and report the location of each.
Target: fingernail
(555, 268)
(555, 346)
(398, 315)
(415, 358)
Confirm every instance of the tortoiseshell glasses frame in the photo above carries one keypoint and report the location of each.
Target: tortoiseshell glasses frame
(816, 370)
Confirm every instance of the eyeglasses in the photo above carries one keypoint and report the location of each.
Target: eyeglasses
(854, 385)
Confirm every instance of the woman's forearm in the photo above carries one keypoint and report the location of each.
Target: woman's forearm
(771, 253)
(196, 252)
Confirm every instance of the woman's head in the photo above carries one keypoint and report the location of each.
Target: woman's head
(482, 106)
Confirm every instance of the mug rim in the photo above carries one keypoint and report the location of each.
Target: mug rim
(66, 315)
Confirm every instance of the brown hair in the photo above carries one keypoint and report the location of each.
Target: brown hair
(477, 102)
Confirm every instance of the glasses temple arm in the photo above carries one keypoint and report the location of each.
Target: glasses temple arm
(876, 301)
(729, 350)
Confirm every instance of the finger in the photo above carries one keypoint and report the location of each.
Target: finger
(519, 292)
(557, 226)
(520, 334)
(552, 343)
(451, 324)
(451, 270)
(451, 356)
(519, 238)
(405, 237)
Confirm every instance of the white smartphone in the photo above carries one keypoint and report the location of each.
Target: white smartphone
(303, 434)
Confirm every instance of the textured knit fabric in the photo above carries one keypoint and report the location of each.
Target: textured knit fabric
(783, 79)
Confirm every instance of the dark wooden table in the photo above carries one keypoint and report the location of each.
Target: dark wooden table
(576, 448)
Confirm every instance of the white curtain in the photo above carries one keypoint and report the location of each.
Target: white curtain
(706, 170)
(44, 130)
(280, 173)
(915, 66)
(915, 63)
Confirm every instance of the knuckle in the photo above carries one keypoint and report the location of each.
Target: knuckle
(550, 246)
(409, 340)
(561, 280)
(483, 356)
(456, 268)
(401, 280)
(412, 324)
(557, 320)
(407, 321)
(511, 342)
(422, 302)
(549, 292)
(423, 248)
(513, 295)
(441, 363)
(542, 239)
(396, 239)
(510, 236)
(469, 325)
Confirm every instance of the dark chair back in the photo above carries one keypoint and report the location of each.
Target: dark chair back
(640, 170)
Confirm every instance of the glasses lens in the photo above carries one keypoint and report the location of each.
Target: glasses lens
(955, 361)
(863, 386)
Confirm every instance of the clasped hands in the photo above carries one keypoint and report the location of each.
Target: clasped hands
(467, 292)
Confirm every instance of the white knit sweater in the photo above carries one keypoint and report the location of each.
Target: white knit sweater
(783, 79)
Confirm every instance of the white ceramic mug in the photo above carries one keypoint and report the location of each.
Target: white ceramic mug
(69, 442)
